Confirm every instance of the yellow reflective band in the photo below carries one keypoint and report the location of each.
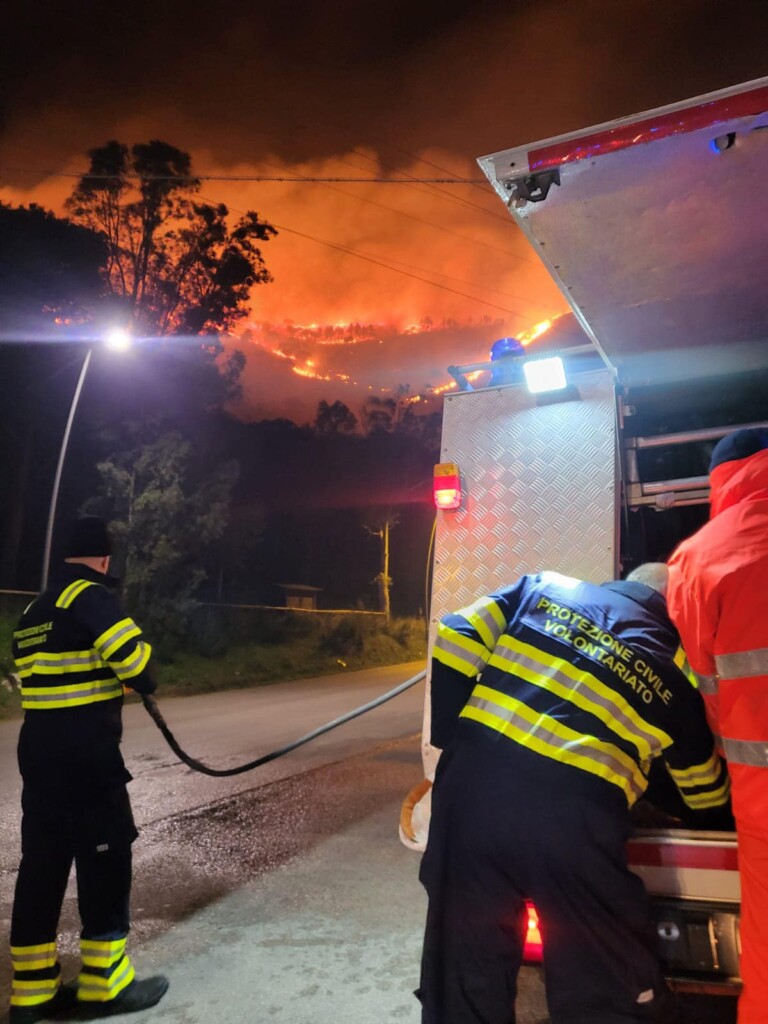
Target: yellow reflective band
(103, 954)
(68, 594)
(33, 958)
(54, 664)
(582, 689)
(710, 798)
(51, 697)
(93, 988)
(34, 993)
(485, 616)
(681, 661)
(698, 774)
(42, 947)
(547, 736)
(112, 639)
(459, 652)
(134, 664)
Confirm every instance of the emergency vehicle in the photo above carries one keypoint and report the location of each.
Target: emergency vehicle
(651, 227)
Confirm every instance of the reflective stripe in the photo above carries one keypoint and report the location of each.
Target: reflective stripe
(459, 652)
(681, 661)
(70, 696)
(707, 684)
(47, 663)
(753, 753)
(33, 993)
(547, 736)
(710, 798)
(705, 774)
(33, 958)
(47, 948)
(94, 988)
(112, 639)
(582, 689)
(101, 953)
(134, 663)
(69, 593)
(743, 664)
(485, 616)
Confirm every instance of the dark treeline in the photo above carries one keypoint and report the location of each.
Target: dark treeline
(290, 504)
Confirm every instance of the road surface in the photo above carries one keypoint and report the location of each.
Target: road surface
(282, 895)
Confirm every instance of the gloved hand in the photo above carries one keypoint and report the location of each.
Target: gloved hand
(414, 816)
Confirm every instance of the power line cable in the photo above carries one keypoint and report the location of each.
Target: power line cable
(257, 178)
(396, 270)
(431, 224)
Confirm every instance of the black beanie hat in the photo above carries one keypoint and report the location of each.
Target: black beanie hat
(739, 445)
(88, 538)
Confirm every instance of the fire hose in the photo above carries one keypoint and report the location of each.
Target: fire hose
(156, 715)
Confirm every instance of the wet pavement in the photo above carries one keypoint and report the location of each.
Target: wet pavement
(292, 902)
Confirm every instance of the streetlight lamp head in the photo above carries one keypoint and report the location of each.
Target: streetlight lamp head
(118, 339)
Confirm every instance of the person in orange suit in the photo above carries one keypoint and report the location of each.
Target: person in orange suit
(718, 599)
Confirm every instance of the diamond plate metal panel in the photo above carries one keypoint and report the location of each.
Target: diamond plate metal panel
(540, 489)
(540, 485)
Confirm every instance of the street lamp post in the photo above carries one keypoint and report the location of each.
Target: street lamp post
(119, 340)
(59, 467)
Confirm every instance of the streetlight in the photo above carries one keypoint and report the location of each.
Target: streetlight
(118, 339)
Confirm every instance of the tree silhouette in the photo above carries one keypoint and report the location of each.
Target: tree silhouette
(49, 271)
(166, 510)
(335, 419)
(174, 264)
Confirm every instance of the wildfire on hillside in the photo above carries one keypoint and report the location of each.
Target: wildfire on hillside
(378, 357)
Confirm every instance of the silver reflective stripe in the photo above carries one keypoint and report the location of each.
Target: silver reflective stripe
(93, 690)
(40, 661)
(115, 642)
(753, 753)
(48, 987)
(707, 684)
(450, 647)
(90, 983)
(743, 664)
(481, 611)
(552, 740)
(27, 958)
(648, 744)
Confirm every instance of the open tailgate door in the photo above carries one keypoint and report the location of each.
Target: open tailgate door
(654, 227)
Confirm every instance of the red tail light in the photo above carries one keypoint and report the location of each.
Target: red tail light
(446, 486)
(533, 949)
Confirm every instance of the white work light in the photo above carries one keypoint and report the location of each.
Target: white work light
(544, 375)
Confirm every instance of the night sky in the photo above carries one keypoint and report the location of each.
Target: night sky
(347, 89)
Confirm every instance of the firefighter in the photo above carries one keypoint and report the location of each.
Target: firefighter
(718, 599)
(542, 758)
(75, 650)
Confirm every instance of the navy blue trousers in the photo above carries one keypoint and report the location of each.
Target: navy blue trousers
(508, 824)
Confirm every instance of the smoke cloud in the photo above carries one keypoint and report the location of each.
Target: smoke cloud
(339, 89)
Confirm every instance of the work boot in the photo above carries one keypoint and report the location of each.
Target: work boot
(63, 1002)
(139, 995)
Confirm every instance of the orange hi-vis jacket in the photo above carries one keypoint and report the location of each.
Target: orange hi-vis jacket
(718, 599)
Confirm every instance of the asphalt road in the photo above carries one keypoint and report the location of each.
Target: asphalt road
(227, 729)
(282, 895)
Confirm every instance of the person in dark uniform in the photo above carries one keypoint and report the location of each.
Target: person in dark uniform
(75, 650)
(580, 688)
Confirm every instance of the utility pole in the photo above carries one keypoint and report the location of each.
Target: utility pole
(383, 580)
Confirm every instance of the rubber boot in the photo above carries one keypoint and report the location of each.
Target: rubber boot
(139, 995)
(63, 1002)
